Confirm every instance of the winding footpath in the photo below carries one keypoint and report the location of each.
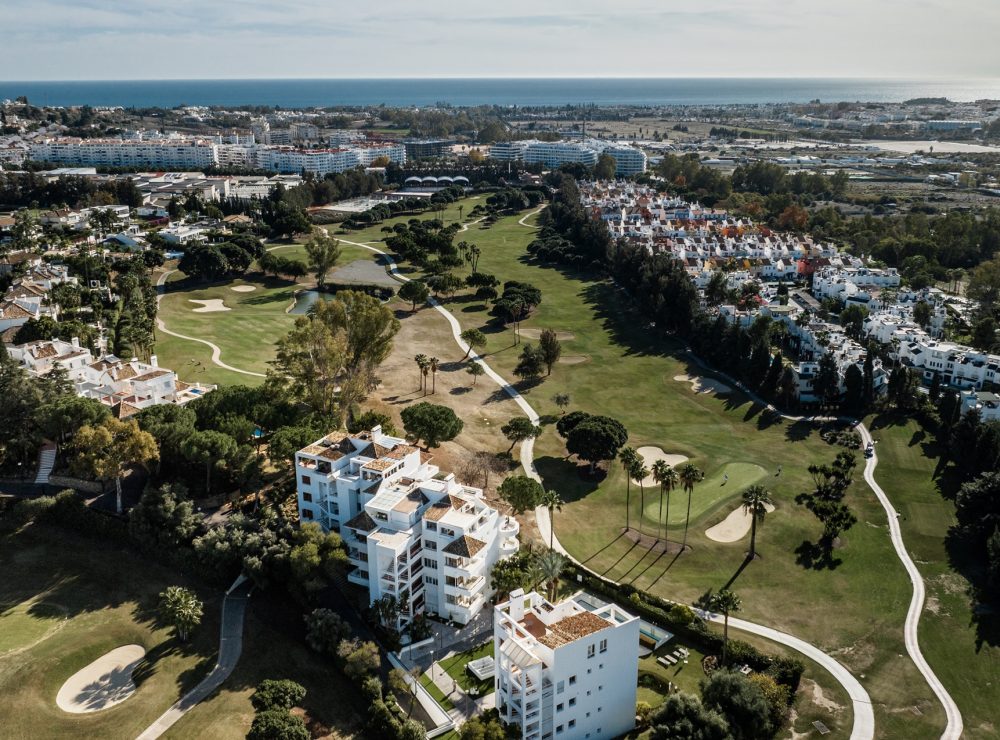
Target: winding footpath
(230, 647)
(864, 717)
(216, 352)
(953, 730)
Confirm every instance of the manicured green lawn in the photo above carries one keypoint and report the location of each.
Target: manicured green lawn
(64, 602)
(455, 665)
(714, 491)
(855, 611)
(439, 697)
(949, 627)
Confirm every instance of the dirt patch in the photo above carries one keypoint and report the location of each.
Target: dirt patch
(483, 407)
(212, 305)
(574, 359)
(820, 699)
(704, 385)
(534, 333)
(734, 527)
(243, 288)
(102, 684)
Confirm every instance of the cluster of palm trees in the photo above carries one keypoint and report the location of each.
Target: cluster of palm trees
(427, 366)
(669, 479)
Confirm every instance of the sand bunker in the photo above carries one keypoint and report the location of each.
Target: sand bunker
(704, 385)
(734, 527)
(650, 455)
(102, 684)
(243, 288)
(574, 359)
(533, 333)
(212, 305)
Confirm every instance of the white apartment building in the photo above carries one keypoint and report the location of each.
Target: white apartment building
(127, 386)
(322, 161)
(987, 404)
(411, 531)
(134, 153)
(629, 160)
(564, 671)
(845, 283)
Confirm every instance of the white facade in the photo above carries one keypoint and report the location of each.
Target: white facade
(563, 671)
(135, 153)
(126, 386)
(629, 160)
(410, 531)
(987, 404)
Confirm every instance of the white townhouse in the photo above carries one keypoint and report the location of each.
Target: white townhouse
(563, 670)
(987, 404)
(411, 531)
(127, 386)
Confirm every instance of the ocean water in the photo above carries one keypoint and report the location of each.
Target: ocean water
(504, 92)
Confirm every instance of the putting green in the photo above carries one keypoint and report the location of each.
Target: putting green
(708, 494)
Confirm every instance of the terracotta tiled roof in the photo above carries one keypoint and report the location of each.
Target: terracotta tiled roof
(124, 410)
(572, 628)
(456, 502)
(11, 310)
(362, 521)
(153, 374)
(44, 351)
(464, 546)
(383, 463)
(437, 511)
(374, 450)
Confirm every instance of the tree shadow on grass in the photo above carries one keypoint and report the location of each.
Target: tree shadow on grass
(816, 556)
(984, 604)
(627, 327)
(565, 476)
(799, 431)
(262, 299)
(768, 419)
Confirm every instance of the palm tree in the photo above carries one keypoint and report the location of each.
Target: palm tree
(689, 475)
(627, 457)
(421, 361)
(727, 602)
(552, 565)
(666, 476)
(553, 502)
(756, 499)
(433, 362)
(535, 573)
(640, 472)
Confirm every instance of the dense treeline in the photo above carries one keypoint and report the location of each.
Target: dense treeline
(31, 190)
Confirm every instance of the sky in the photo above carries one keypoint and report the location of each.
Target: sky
(189, 39)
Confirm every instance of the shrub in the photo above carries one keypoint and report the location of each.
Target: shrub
(276, 724)
(277, 694)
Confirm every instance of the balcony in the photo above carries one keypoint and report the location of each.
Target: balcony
(358, 577)
(509, 527)
(509, 546)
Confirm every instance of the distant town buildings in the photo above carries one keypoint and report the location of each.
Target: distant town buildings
(412, 532)
(183, 152)
(565, 670)
(629, 160)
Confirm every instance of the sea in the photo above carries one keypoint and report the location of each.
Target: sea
(304, 93)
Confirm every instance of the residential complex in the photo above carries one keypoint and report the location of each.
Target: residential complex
(411, 531)
(565, 670)
(629, 160)
(176, 151)
(127, 386)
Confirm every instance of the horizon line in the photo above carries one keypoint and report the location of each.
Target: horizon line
(890, 78)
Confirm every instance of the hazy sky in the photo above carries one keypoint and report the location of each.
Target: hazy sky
(141, 39)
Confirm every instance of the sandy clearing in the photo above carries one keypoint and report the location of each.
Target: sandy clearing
(704, 385)
(243, 288)
(574, 359)
(651, 454)
(533, 333)
(734, 527)
(102, 684)
(212, 305)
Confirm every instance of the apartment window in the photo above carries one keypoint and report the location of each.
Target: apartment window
(559, 730)
(560, 706)
(431, 526)
(306, 480)
(560, 687)
(453, 562)
(591, 650)
(431, 580)
(381, 516)
(572, 702)
(604, 646)
(572, 680)
(571, 724)
(450, 581)
(428, 545)
(306, 496)
(307, 514)
(431, 563)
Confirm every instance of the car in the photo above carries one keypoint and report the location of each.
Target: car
(870, 450)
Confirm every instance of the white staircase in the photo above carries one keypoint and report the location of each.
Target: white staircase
(46, 461)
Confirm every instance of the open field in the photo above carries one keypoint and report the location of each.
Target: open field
(854, 611)
(962, 646)
(62, 607)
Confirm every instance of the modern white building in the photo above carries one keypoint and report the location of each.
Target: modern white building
(127, 386)
(563, 670)
(629, 160)
(411, 531)
(987, 404)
